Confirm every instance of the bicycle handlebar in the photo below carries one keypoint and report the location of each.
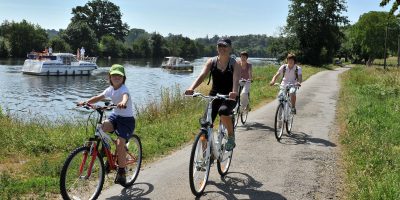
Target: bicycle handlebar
(244, 81)
(218, 96)
(288, 85)
(96, 107)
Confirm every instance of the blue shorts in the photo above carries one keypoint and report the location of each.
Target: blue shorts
(123, 126)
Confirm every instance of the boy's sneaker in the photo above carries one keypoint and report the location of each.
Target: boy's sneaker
(294, 111)
(230, 144)
(121, 176)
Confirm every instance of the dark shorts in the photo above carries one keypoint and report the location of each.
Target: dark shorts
(123, 126)
(222, 107)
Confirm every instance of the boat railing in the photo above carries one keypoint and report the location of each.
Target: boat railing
(90, 59)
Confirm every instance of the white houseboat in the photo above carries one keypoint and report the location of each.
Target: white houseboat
(176, 63)
(58, 64)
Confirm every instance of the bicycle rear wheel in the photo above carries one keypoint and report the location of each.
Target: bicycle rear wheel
(279, 122)
(243, 115)
(133, 160)
(289, 123)
(75, 180)
(199, 166)
(246, 110)
(225, 157)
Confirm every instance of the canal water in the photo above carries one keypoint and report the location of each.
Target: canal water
(54, 97)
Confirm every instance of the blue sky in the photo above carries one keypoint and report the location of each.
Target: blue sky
(191, 18)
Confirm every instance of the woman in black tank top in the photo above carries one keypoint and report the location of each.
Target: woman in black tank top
(222, 80)
(225, 74)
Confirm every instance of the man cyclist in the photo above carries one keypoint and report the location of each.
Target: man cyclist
(225, 72)
(291, 74)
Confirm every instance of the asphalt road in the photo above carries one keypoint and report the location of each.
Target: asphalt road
(302, 166)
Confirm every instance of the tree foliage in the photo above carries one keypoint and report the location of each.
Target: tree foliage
(366, 38)
(22, 37)
(79, 34)
(110, 46)
(59, 45)
(395, 5)
(103, 16)
(315, 24)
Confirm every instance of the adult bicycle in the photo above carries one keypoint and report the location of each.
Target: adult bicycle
(206, 148)
(83, 173)
(284, 116)
(242, 111)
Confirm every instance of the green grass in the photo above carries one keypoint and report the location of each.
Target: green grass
(33, 152)
(369, 115)
(390, 61)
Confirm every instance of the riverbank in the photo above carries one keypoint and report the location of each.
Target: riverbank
(34, 151)
(369, 118)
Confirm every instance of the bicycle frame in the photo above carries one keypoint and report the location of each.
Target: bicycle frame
(285, 99)
(93, 143)
(208, 128)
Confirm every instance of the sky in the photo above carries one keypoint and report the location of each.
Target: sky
(191, 18)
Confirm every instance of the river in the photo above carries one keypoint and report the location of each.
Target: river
(54, 97)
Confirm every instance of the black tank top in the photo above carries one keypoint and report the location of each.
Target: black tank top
(222, 80)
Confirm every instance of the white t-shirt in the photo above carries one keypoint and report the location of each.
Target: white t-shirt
(116, 97)
(82, 51)
(290, 76)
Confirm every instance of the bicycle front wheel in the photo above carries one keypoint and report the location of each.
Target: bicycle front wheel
(133, 160)
(199, 166)
(225, 157)
(279, 122)
(236, 113)
(82, 175)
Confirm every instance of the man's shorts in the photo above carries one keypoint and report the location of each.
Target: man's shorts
(123, 126)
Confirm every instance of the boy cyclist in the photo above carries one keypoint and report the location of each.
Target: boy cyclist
(291, 75)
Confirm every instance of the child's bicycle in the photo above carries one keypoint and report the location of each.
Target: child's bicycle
(206, 148)
(83, 173)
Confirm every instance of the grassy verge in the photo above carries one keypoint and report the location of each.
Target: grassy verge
(33, 152)
(369, 115)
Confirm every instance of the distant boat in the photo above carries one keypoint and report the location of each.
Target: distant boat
(58, 64)
(176, 63)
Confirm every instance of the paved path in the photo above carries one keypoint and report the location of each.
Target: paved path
(302, 166)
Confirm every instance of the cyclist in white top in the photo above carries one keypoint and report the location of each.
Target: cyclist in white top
(292, 74)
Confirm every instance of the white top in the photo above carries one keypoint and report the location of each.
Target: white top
(290, 76)
(82, 51)
(116, 97)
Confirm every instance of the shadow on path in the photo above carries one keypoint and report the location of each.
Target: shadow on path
(242, 185)
(256, 126)
(302, 138)
(136, 191)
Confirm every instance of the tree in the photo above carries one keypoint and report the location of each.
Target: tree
(395, 5)
(79, 34)
(141, 48)
(157, 44)
(367, 36)
(315, 24)
(103, 16)
(109, 46)
(22, 37)
(3, 48)
(59, 45)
